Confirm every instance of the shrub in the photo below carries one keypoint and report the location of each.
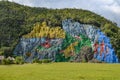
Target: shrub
(19, 60)
(36, 60)
(41, 61)
(46, 61)
(4, 61)
(7, 61)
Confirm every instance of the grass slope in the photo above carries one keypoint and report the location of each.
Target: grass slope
(60, 71)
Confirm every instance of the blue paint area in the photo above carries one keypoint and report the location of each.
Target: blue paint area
(108, 55)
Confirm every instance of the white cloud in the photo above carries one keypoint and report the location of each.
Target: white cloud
(106, 1)
(114, 9)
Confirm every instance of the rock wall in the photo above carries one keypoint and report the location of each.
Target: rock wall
(33, 48)
(101, 45)
(70, 48)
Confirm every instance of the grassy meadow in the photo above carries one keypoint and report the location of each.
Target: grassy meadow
(60, 71)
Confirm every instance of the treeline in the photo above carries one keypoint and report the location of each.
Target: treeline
(17, 20)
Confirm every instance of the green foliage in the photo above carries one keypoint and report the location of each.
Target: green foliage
(7, 61)
(17, 20)
(41, 61)
(36, 60)
(46, 61)
(19, 60)
(4, 61)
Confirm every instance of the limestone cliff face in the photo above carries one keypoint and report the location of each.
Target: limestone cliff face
(75, 29)
(68, 47)
(30, 48)
(104, 51)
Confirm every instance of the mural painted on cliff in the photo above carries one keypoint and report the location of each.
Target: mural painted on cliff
(73, 42)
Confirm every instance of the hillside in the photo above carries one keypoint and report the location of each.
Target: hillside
(17, 20)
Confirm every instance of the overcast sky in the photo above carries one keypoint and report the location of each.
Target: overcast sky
(110, 9)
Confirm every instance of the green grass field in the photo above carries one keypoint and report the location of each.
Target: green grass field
(60, 71)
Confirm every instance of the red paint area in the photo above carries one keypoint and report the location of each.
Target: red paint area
(96, 45)
(77, 37)
(46, 44)
(62, 51)
(102, 48)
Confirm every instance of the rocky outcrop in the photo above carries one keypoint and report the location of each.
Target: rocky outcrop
(103, 50)
(80, 43)
(29, 49)
(85, 55)
(75, 29)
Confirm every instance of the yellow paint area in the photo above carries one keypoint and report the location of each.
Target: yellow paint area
(70, 49)
(43, 30)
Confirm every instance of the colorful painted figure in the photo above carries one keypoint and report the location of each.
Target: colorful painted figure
(102, 45)
(106, 50)
(46, 44)
(96, 45)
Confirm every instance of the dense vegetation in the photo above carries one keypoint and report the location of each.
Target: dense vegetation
(17, 20)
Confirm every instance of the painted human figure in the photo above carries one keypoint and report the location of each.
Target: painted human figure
(46, 44)
(102, 45)
(96, 45)
(106, 50)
